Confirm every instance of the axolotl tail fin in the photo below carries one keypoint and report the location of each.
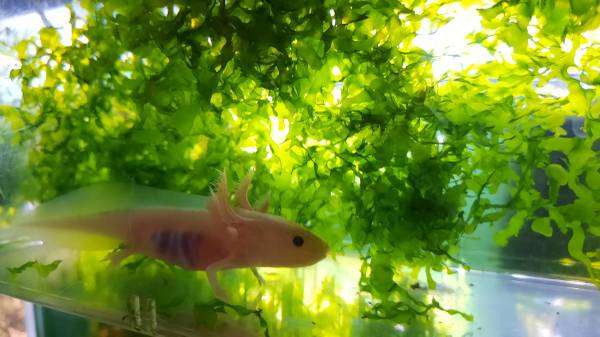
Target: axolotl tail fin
(52, 237)
(81, 218)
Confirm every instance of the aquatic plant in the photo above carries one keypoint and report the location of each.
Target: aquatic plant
(337, 112)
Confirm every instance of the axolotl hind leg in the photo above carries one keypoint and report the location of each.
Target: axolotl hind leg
(211, 273)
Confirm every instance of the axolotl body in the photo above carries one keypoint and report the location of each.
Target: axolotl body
(208, 235)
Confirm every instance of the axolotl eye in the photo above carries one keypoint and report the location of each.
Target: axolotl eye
(298, 241)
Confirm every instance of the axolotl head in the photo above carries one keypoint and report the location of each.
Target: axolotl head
(272, 241)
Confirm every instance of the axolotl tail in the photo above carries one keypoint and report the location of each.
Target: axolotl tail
(95, 217)
(71, 237)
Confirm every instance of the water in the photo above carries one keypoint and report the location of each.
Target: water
(515, 305)
(503, 304)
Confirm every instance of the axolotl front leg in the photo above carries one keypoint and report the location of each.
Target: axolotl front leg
(209, 242)
(222, 213)
(211, 274)
(197, 240)
(225, 214)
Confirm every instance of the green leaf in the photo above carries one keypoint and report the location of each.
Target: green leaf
(582, 7)
(307, 51)
(22, 268)
(581, 210)
(183, 118)
(492, 217)
(561, 223)
(542, 226)
(558, 173)
(559, 144)
(491, 12)
(135, 264)
(592, 179)
(420, 152)
(21, 48)
(467, 317)
(512, 229)
(515, 36)
(557, 17)
(575, 245)
(14, 73)
(43, 270)
(205, 315)
(430, 281)
(49, 37)
(219, 306)
(382, 275)
(217, 99)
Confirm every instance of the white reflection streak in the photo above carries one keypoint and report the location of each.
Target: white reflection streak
(30, 206)
(337, 92)
(575, 283)
(279, 135)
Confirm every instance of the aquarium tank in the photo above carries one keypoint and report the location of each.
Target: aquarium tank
(447, 152)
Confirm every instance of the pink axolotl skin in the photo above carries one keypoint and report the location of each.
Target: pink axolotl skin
(214, 238)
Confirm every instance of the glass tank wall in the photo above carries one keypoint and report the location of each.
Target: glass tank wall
(446, 152)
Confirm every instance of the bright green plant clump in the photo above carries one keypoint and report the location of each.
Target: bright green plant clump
(338, 113)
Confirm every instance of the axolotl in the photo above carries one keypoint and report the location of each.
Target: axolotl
(193, 232)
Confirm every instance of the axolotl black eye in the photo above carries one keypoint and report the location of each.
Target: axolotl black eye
(298, 241)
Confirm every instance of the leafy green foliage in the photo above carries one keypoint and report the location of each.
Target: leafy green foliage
(337, 112)
(10, 165)
(42, 269)
(206, 313)
(527, 132)
(542, 226)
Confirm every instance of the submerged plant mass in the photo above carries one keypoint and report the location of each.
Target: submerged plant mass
(337, 111)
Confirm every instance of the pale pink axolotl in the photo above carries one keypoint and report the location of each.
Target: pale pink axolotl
(210, 237)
